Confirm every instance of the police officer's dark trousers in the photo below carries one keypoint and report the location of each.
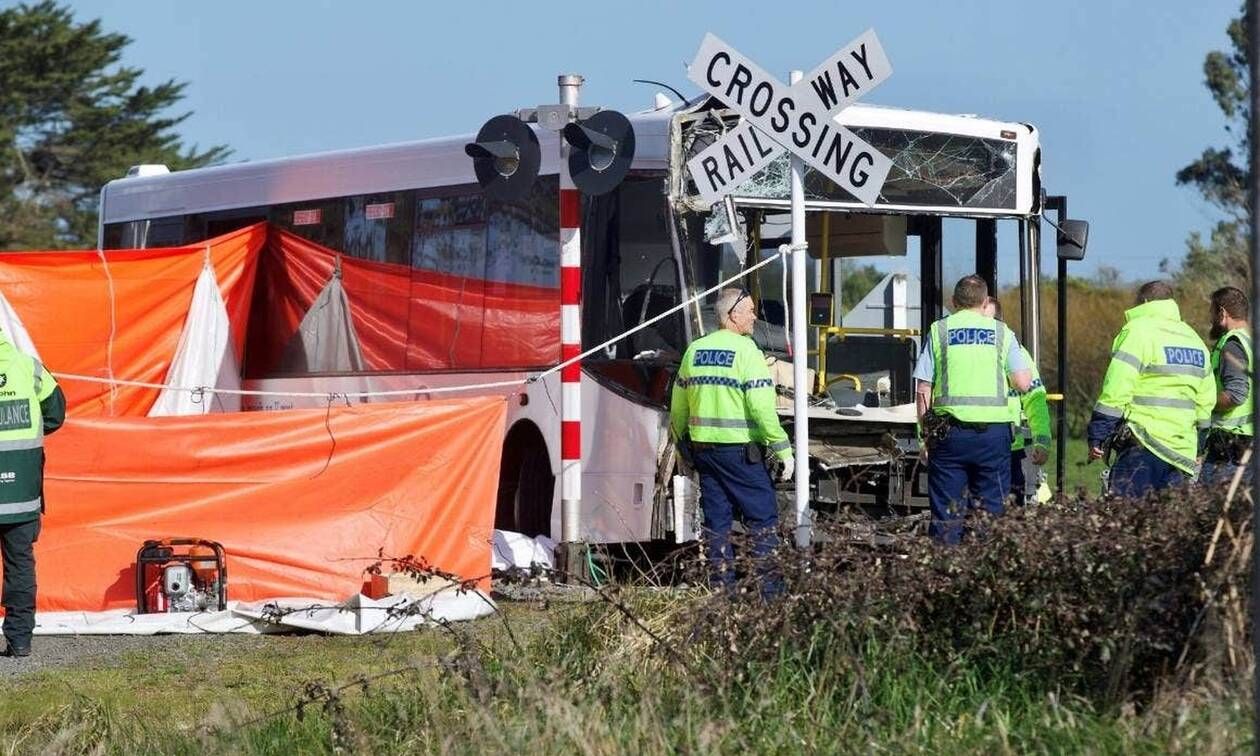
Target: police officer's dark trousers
(730, 483)
(17, 546)
(976, 459)
(1224, 456)
(1018, 481)
(1137, 472)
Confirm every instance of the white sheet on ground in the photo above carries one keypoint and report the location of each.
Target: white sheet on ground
(204, 357)
(511, 549)
(12, 326)
(358, 615)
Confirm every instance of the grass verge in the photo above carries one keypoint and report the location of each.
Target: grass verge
(581, 680)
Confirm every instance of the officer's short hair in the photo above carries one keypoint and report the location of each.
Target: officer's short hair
(1232, 301)
(1152, 291)
(726, 300)
(970, 291)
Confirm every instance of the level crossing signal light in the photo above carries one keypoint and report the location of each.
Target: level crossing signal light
(601, 148)
(505, 157)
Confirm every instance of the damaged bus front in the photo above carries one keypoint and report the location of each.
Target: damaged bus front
(963, 196)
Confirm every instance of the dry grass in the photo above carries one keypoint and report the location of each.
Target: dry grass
(1087, 627)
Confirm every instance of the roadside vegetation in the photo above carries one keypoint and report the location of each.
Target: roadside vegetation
(1091, 627)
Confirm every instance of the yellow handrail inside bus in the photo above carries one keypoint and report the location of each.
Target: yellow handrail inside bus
(857, 382)
(842, 331)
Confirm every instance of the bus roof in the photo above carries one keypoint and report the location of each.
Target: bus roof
(435, 162)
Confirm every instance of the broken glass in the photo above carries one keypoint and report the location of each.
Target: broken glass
(929, 168)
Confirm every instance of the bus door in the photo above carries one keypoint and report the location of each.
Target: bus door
(632, 273)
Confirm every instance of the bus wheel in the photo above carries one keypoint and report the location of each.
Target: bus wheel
(525, 484)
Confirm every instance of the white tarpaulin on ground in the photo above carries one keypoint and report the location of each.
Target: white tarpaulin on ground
(13, 329)
(358, 615)
(204, 356)
(511, 549)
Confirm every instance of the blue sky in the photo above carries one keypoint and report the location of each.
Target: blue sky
(1115, 86)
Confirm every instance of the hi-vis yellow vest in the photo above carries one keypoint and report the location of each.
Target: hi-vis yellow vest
(1235, 419)
(724, 395)
(1030, 408)
(1160, 383)
(24, 383)
(969, 383)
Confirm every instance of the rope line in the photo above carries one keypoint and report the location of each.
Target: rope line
(201, 391)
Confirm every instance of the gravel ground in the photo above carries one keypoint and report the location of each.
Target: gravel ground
(50, 652)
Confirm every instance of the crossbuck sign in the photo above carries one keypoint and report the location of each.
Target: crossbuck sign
(800, 118)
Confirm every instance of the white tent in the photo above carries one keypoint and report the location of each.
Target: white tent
(204, 357)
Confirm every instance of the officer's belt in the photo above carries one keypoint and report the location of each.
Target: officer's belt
(704, 446)
(975, 426)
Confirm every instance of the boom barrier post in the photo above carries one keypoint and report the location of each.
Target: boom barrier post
(572, 556)
(596, 151)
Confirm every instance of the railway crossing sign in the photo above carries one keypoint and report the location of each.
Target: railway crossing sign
(800, 118)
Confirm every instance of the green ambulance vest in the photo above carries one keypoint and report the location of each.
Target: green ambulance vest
(1030, 408)
(24, 383)
(1236, 419)
(1159, 381)
(724, 395)
(969, 355)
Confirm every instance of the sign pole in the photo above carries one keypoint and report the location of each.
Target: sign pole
(766, 129)
(800, 347)
(570, 335)
(1253, 195)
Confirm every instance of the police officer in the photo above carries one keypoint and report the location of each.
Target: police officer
(32, 405)
(967, 366)
(723, 410)
(1157, 393)
(1231, 431)
(1032, 416)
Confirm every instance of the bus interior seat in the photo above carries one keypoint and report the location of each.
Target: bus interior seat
(866, 355)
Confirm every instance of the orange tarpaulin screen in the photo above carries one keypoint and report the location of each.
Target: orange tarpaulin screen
(293, 271)
(406, 318)
(63, 299)
(302, 500)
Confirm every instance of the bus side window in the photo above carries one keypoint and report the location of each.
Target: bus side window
(378, 227)
(522, 279)
(630, 271)
(649, 272)
(320, 221)
(448, 259)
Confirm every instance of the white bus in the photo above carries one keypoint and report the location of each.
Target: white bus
(448, 288)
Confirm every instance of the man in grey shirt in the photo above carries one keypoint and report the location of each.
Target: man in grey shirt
(1231, 430)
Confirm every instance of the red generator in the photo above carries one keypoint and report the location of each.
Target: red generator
(181, 575)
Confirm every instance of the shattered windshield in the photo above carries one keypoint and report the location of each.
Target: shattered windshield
(929, 168)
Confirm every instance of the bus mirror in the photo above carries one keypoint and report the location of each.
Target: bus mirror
(600, 150)
(1071, 239)
(505, 158)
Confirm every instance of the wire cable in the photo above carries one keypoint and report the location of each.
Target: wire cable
(514, 383)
